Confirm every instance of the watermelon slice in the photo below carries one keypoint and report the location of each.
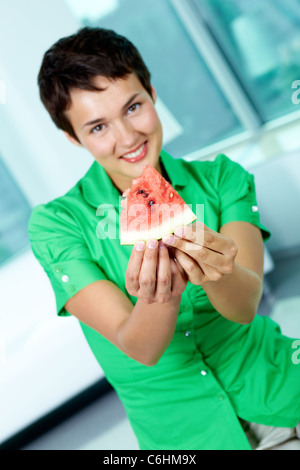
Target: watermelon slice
(151, 209)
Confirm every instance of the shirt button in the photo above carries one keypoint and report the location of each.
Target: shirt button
(187, 333)
(58, 269)
(65, 278)
(254, 208)
(221, 396)
(203, 372)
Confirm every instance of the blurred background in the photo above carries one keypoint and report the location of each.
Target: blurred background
(227, 75)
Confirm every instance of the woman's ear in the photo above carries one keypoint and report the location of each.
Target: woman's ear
(153, 94)
(72, 139)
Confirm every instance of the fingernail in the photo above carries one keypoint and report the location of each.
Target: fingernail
(152, 244)
(168, 240)
(179, 231)
(161, 244)
(140, 246)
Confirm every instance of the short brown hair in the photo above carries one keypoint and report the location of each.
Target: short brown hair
(73, 62)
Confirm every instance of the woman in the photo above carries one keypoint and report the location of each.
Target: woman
(172, 323)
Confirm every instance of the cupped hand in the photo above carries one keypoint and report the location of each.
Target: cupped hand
(152, 274)
(204, 255)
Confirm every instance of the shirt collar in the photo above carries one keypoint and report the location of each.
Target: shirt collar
(175, 169)
(98, 188)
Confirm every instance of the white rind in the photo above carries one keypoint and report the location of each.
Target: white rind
(185, 218)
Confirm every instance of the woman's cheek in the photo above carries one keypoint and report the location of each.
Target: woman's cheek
(100, 148)
(149, 122)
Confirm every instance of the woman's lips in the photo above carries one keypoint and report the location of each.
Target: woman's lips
(140, 153)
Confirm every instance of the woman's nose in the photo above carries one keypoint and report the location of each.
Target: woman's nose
(125, 135)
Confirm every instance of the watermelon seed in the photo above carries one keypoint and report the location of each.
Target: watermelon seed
(150, 202)
(140, 191)
(146, 194)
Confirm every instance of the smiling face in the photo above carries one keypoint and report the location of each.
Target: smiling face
(119, 126)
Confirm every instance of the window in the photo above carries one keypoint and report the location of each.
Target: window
(14, 216)
(261, 41)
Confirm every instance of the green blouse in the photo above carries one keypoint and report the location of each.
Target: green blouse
(214, 370)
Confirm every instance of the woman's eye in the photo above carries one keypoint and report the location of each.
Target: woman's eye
(98, 128)
(133, 107)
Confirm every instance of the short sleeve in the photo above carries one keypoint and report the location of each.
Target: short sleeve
(61, 250)
(237, 195)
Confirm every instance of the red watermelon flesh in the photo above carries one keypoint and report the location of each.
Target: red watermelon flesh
(152, 208)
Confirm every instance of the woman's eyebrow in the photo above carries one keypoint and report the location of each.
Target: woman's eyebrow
(130, 100)
(95, 121)
(90, 123)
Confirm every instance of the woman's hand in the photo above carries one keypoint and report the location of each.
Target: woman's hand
(152, 275)
(204, 255)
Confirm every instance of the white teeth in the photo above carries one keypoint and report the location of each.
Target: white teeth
(134, 154)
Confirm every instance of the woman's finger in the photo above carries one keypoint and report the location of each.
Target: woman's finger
(197, 273)
(178, 276)
(191, 268)
(147, 277)
(132, 276)
(198, 252)
(222, 262)
(202, 235)
(164, 278)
